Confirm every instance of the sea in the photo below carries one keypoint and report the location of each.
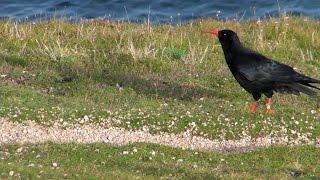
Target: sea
(160, 11)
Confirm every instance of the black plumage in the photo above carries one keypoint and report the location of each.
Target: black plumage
(258, 74)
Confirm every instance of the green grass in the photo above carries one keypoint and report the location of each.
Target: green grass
(169, 78)
(148, 161)
(138, 75)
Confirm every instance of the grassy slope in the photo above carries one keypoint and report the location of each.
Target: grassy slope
(172, 78)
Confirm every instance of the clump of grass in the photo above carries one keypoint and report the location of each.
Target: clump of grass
(15, 61)
(177, 54)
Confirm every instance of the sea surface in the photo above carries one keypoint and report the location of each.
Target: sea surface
(161, 11)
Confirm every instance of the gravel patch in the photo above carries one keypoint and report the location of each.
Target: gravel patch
(33, 133)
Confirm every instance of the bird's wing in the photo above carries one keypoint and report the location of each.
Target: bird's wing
(262, 69)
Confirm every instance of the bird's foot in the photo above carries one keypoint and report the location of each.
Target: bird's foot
(253, 107)
(270, 112)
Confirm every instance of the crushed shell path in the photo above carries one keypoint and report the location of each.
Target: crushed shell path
(33, 133)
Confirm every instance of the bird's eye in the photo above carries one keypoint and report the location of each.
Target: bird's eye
(224, 34)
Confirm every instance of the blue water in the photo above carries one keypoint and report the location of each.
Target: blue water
(156, 11)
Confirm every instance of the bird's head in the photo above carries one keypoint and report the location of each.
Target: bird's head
(226, 37)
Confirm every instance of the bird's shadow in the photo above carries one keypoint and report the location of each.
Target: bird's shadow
(158, 88)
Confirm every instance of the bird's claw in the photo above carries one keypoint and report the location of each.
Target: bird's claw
(270, 112)
(252, 111)
(253, 108)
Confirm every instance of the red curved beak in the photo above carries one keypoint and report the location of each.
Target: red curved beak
(213, 32)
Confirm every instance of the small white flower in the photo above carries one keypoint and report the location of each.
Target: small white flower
(153, 153)
(145, 129)
(55, 164)
(19, 150)
(135, 150)
(86, 118)
(120, 88)
(180, 160)
(125, 152)
(193, 124)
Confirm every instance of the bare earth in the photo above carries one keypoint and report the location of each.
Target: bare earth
(33, 133)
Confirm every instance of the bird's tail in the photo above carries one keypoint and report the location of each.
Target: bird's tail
(303, 89)
(312, 86)
(306, 81)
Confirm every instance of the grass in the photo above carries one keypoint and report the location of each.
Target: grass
(148, 161)
(167, 78)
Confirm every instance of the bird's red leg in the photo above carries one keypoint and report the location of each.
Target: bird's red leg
(269, 110)
(253, 107)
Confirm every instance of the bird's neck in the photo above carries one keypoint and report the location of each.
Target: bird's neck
(231, 50)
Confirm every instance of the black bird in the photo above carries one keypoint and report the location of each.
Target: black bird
(258, 74)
